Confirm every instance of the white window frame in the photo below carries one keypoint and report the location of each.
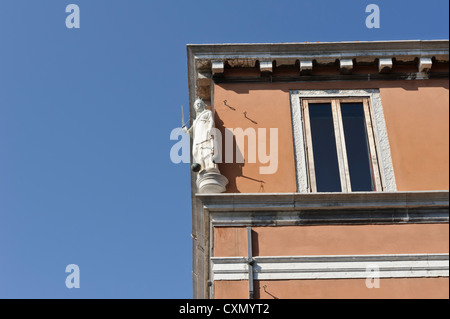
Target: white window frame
(374, 116)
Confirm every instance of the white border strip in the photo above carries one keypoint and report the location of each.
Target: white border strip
(380, 131)
(332, 267)
(299, 143)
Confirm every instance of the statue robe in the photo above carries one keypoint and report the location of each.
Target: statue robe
(204, 147)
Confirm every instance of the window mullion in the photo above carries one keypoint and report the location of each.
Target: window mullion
(309, 148)
(341, 148)
(372, 148)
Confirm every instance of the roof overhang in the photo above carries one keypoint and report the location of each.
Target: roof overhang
(207, 62)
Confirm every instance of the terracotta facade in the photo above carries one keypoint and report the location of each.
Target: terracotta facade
(416, 114)
(417, 120)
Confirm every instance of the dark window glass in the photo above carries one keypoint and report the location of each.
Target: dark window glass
(357, 146)
(324, 148)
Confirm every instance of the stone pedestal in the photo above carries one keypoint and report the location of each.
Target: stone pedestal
(210, 181)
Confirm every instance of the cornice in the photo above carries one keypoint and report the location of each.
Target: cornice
(208, 62)
(323, 201)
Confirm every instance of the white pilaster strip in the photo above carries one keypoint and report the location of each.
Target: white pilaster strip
(299, 143)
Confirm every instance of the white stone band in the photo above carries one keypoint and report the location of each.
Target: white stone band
(332, 267)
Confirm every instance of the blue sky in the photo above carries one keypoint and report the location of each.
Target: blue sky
(85, 118)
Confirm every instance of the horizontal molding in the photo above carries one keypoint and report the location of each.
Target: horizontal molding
(325, 208)
(365, 50)
(332, 217)
(332, 267)
(322, 201)
(306, 56)
(335, 78)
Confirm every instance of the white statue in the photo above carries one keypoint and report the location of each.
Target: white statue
(205, 150)
(204, 147)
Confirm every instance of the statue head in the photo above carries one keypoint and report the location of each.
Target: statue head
(199, 105)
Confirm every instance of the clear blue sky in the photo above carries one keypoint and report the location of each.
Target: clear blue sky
(85, 118)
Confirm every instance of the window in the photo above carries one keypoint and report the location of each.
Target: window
(340, 145)
(340, 141)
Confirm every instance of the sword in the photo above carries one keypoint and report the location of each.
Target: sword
(183, 124)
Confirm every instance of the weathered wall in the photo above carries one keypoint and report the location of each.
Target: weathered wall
(402, 288)
(333, 240)
(417, 120)
(268, 108)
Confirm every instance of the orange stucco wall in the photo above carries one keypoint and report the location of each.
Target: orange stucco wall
(417, 120)
(267, 108)
(402, 288)
(333, 240)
